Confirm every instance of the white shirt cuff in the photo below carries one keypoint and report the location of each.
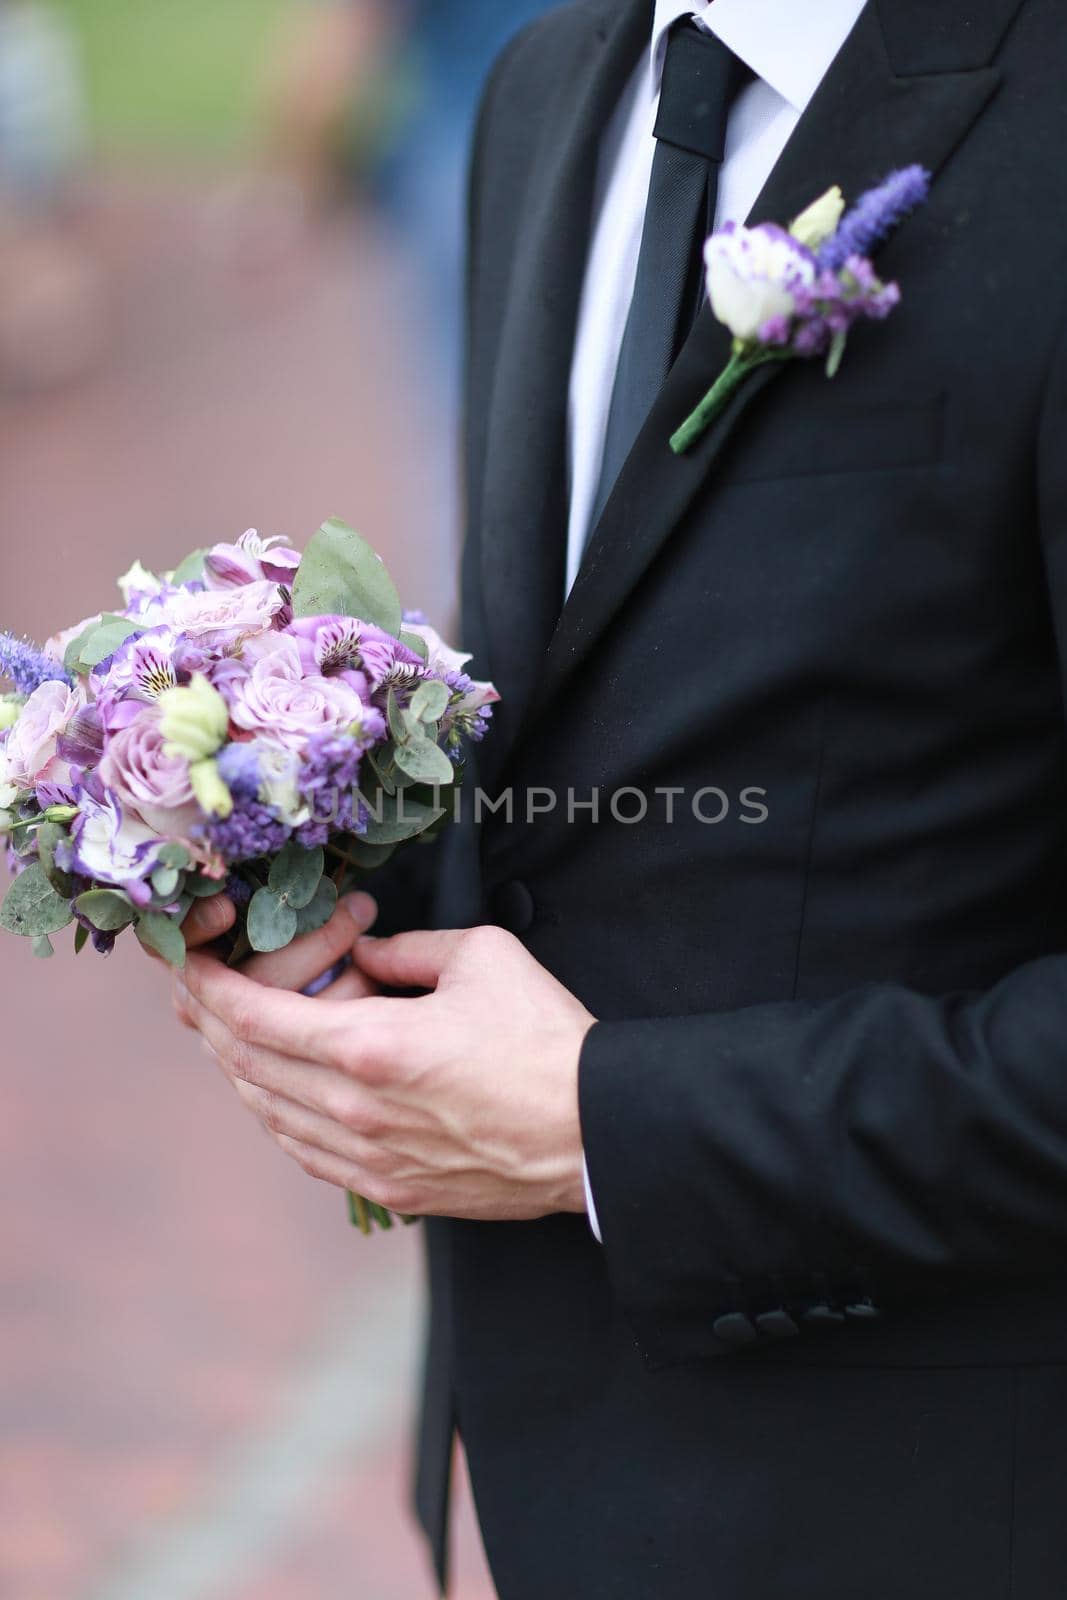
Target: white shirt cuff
(590, 1203)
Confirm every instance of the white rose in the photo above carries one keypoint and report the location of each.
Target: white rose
(752, 273)
(30, 748)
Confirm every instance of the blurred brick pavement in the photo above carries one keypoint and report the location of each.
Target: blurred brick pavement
(205, 1375)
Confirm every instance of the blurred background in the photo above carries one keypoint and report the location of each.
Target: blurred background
(230, 270)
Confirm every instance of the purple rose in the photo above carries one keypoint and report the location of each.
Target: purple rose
(276, 698)
(138, 771)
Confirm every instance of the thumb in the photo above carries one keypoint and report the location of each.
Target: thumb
(408, 960)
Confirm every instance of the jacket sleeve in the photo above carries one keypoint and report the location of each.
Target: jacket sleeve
(798, 1157)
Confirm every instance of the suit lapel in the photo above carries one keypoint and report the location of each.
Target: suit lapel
(864, 121)
(524, 506)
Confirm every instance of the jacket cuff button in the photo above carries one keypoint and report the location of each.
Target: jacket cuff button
(863, 1311)
(734, 1329)
(823, 1316)
(777, 1324)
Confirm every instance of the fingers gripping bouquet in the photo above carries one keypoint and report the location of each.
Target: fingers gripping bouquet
(256, 722)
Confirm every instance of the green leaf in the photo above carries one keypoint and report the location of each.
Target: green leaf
(380, 761)
(416, 642)
(81, 938)
(105, 639)
(107, 909)
(424, 761)
(368, 857)
(271, 923)
(401, 817)
(394, 717)
(430, 700)
(175, 855)
(190, 569)
(162, 934)
(202, 888)
(295, 873)
(165, 880)
(72, 654)
(42, 947)
(48, 836)
(341, 575)
(319, 909)
(837, 352)
(31, 906)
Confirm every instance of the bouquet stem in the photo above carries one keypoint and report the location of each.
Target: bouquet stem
(363, 1214)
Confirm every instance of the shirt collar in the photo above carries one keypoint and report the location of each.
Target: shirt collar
(787, 43)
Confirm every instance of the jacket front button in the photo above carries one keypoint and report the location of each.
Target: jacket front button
(511, 906)
(734, 1329)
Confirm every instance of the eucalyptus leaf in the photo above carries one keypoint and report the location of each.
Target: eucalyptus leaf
(32, 907)
(424, 761)
(162, 934)
(190, 569)
(165, 881)
(417, 643)
(42, 947)
(368, 857)
(295, 873)
(105, 639)
(402, 817)
(430, 700)
(319, 909)
(271, 923)
(48, 836)
(380, 761)
(175, 855)
(72, 654)
(109, 910)
(340, 575)
(202, 888)
(397, 726)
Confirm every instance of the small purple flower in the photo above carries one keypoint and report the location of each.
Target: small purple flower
(251, 830)
(28, 667)
(329, 784)
(875, 215)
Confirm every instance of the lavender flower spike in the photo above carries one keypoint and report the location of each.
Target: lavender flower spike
(26, 666)
(875, 215)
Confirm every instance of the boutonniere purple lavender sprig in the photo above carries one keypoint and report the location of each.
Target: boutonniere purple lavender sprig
(798, 292)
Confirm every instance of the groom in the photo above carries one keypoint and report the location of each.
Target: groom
(797, 841)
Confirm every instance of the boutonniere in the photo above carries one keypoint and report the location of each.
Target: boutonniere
(797, 292)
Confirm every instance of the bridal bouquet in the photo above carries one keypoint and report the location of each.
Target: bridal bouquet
(257, 722)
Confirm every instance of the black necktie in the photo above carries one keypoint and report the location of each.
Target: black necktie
(701, 78)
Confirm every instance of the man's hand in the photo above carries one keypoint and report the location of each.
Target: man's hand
(462, 1103)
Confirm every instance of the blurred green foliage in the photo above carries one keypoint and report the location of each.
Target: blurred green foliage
(173, 77)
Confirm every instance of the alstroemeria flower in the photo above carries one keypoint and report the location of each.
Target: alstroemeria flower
(278, 699)
(754, 275)
(468, 694)
(250, 560)
(30, 753)
(366, 656)
(113, 845)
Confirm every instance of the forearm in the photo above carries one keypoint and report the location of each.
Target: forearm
(796, 1151)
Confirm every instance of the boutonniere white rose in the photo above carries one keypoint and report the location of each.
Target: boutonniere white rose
(797, 292)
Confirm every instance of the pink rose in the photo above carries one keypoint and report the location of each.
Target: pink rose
(276, 698)
(137, 769)
(249, 609)
(30, 749)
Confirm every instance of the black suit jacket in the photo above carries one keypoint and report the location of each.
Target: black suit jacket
(823, 1350)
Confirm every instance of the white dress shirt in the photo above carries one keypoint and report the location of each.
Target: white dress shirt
(789, 45)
